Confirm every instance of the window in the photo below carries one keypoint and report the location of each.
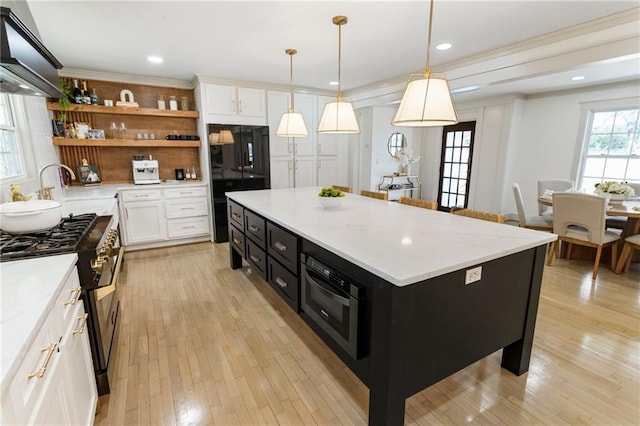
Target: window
(12, 163)
(612, 149)
(455, 166)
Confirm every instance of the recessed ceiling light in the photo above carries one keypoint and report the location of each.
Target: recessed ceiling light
(24, 86)
(465, 89)
(444, 46)
(577, 78)
(333, 83)
(155, 59)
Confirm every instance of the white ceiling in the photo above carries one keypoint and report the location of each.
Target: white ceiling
(384, 41)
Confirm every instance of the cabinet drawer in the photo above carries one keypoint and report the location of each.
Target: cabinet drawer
(257, 257)
(141, 195)
(236, 239)
(185, 207)
(178, 228)
(66, 303)
(255, 228)
(283, 246)
(284, 282)
(236, 213)
(185, 192)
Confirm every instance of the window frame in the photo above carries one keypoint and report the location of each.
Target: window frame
(21, 125)
(462, 126)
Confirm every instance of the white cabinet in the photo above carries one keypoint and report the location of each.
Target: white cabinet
(327, 171)
(305, 171)
(164, 216)
(281, 172)
(55, 382)
(235, 101)
(143, 216)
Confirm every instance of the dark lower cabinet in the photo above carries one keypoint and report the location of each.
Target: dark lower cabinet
(256, 257)
(284, 282)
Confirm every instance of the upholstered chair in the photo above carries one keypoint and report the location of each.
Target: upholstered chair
(552, 185)
(541, 223)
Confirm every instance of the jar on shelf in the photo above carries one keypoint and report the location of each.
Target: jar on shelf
(173, 103)
(184, 103)
(161, 102)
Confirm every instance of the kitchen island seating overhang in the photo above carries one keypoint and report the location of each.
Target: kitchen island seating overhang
(420, 319)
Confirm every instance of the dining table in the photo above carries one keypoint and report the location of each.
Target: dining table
(627, 208)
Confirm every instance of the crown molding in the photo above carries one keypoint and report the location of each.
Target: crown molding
(125, 78)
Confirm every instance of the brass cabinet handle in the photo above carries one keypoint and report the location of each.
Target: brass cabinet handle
(278, 245)
(236, 215)
(74, 296)
(253, 228)
(237, 241)
(80, 330)
(40, 372)
(282, 283)
(254, 258)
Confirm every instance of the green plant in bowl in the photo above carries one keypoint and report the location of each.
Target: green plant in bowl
(331, 198)
(330, 192)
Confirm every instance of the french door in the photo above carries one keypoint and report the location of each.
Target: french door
(455, 165)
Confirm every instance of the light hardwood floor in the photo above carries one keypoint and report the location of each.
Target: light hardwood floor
(202, 344)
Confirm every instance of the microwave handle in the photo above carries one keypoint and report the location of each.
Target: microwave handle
(323, 288)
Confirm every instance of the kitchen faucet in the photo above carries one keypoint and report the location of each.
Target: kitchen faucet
(44, 193)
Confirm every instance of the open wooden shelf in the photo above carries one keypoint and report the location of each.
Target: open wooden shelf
(159, 143)
(99, 109)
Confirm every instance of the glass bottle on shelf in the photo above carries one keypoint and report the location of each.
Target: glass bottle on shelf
(193, 172)
(187, 173)
(86, 98)
(161, 102)
(94, 97)
(77, 94)
(122, 130)
(113, 129)
(173, 103)
(184, 103)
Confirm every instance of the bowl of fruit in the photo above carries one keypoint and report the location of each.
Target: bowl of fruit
(331, 198)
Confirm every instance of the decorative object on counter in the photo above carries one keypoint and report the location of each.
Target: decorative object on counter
(96, 134)
(331, 198)
(187, 173)
(126, 99)
(427, 99)
(30, 216)
(193, 173)
(108, 102)
(184, 103)
(16, 193)
(338, 116)
(616, 191)
(173, 103)
(88, 174)
(161, 102)
(292, 123)
(179, 174)
(406, 157)
(145, 171)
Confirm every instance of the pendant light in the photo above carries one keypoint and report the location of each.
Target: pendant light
(338, 116)
(426, 100)
(292, 123)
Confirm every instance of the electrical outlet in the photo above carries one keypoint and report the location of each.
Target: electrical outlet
(473, 275)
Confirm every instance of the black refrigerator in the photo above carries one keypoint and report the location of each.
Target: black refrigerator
(239, 161)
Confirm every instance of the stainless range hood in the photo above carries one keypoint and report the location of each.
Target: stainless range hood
(27, 67)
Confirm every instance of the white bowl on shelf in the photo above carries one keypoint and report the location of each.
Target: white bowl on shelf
(330, 203)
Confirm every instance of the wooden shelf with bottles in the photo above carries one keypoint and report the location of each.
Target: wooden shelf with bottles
(120, 110)
(159, 143)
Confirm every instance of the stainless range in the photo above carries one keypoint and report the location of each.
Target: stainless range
(96, 241)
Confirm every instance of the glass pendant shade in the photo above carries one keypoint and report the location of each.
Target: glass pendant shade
(338, 117)
(426, 102)
(292, 126)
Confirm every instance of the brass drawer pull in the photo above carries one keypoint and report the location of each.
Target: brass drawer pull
(236, 215)
(236, 241)
(278, 245)
(84, 321)
(40, 373)
(253, 228)
(74, 294)
(282, 283)
(254, 258)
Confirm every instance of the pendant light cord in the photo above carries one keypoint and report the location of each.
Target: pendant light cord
(291, 74)
(339, 61)
(428, 69)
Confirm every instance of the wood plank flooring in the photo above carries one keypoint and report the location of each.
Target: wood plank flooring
(201, 344)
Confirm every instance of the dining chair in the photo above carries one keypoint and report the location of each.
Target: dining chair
(630, 244)
(343, 188)
(477, 214)
(416, 202)
(372, 194)
(552, 185)
(580, 219)
(539, 222)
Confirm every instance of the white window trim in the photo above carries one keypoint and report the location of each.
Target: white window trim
(23, 136)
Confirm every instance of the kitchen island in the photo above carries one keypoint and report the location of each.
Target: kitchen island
(437, 292)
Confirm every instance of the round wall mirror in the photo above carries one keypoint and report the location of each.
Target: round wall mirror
(397, 141)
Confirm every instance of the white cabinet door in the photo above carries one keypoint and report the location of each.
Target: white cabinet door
(251, 102)
(54, 402)
(221, 100)
(328, 171)
(305, 171)
(327, 142)
(78, 364)
(281, 172)
(306, 105)
(278, 103)
(144, 222)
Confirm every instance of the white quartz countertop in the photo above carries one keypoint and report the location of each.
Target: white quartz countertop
(28, 290)
(76, 193)
(399, 243)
